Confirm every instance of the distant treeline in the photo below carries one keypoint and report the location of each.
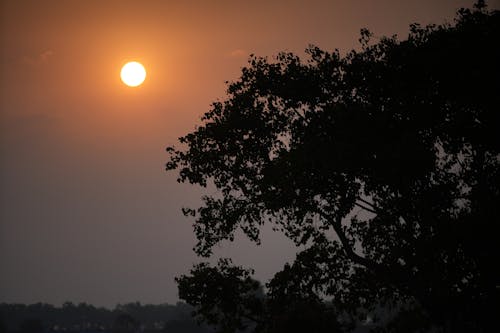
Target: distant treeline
(70, 317)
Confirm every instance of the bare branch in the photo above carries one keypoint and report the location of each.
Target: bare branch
(336, 222)
(365, 208)
(367, 203)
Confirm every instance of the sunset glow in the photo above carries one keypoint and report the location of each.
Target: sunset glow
(93, 92)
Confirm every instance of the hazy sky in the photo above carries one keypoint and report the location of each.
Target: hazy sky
(87, 212)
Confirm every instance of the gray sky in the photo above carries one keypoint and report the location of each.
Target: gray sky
(87, 212)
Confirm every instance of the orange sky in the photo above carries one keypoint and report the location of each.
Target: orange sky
(87, 211)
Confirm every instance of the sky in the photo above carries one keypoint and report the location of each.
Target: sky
(87, 211)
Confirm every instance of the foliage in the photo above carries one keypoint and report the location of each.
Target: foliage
(81, 317)
(383, 162)
(125, 323)
(225, 295)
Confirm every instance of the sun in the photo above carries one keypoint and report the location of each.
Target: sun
(133, 74)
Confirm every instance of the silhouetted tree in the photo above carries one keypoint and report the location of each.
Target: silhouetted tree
(125, 323)
(85, 317)
(384, 163)
(3, 326)
(185, 325)
(225, 296)
(31, 325)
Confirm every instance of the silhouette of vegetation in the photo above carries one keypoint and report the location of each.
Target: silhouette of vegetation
(383, 164)
(125, 323)
(131, 317)
(31, 326)
(3, 328)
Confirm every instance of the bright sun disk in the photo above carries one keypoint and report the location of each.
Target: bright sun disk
(133, 74)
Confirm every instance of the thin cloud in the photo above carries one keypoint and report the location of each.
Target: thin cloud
(238, 53)
(40, 59)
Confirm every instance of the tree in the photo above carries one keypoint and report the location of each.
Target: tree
(384, 163)
(31, 325)
(125, 323)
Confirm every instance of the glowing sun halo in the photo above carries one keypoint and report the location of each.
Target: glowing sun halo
(133, 74)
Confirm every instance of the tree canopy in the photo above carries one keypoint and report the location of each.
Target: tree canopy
(383, 163)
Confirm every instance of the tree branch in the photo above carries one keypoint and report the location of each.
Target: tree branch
(346, 244)
(301, 116)
(365, 208)
(391, 275)
(372, 206)
(252, 318)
